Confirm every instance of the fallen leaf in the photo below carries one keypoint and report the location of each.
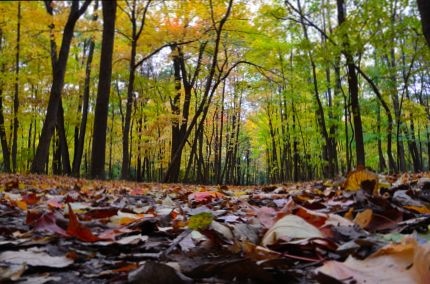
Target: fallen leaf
(361, 178)
(290, 228)
(12, 272)
(77, 230)
(406, 262)
(153, 273)
(418, 209)
(30, 198)
(200, 221)
(44, 222)
(34, 258)
(126, 268)
(364, 218)
(205, 196)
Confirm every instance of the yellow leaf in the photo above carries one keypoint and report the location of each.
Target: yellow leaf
(348, 215)
(363, 219)
(419, 209)
(361, 178)
(21, 204)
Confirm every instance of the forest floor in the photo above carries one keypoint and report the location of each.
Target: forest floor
(365, 228)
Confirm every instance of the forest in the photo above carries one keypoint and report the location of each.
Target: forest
(214, 92)
(215, 141)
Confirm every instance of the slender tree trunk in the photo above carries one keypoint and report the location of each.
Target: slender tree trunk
(380, 152)
(353, 89)
(103, 91)
(221, 131)
(30, 132)
(327, 155)
(65, 159)
(125, 169)
(59, 70)
(175, 109)
(79, 150)
(3, 137)
(110, 141)
(391, 162)
(83, 127)
(16, 95)
(209, 90)
(56, 156)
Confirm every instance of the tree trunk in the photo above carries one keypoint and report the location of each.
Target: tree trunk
(59, 70)
(77, 159)
(353, 89)
(65, 159)
(381, 165)
(16, 95)
(125, 169)
(209, 90)
(391, 162)
(424, 8)
(103, 91)
(3, 137)
(79, 150)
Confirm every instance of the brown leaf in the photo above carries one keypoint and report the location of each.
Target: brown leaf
(44, 222)
(406, 262)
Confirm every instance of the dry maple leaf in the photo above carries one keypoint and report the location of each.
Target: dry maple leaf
(361, 178)
(76, 229)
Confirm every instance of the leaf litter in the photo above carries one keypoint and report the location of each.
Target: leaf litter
(365, 228)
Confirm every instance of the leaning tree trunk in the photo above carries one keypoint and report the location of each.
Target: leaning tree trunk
(102, 102)
(59, 70)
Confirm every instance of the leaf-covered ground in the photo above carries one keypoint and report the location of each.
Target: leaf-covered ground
(363, 229)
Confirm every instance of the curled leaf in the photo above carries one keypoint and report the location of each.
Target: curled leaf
(290, 228)
(361, 178)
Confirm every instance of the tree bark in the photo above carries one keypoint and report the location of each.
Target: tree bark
(65, 158)
(77, 159)
(103, 91)
(424, 8)
(3, 137)
(207, 95)
(59, 70)
(16, 95)
(353, 89)
(79, 150)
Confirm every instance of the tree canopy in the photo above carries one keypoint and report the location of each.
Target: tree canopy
(214, 91)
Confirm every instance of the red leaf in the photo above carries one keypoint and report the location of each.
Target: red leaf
(30, 198)
(55, 203)
(44, 222)
(126, 268)
(205, 196)
(79, 231)
(100, 213)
